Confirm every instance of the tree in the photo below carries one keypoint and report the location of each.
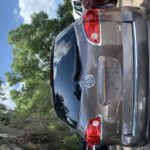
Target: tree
(65, 14)
(2, 92)
(4, 112)
(31, 65)
(1, 89)
(5, 115)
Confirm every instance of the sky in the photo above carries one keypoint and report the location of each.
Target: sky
(12, 14)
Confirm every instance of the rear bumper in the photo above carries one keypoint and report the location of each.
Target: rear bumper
(135, 83)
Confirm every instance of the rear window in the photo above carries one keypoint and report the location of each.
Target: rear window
(66, 88)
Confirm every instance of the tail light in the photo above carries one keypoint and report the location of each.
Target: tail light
(99, 3)
(92, 26)
(93, 132)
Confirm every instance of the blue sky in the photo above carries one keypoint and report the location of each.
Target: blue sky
(12, 14)
(8, 22)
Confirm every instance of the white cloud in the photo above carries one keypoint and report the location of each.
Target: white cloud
(9, 103)
(16, 15)
(15, 11)
(19, 86)
(28, 7)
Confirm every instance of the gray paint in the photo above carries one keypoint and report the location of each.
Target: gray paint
(117, 92)
(124, 118)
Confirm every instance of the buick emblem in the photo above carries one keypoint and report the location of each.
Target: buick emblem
(88, 81)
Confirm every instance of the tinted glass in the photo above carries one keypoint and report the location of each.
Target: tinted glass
(66, 88)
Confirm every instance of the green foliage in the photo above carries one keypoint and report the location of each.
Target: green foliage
(2, 92)
(65, 14)
(71, 143)
(1, 82)
(1, 89)
(31, 65)
(12, 78)
(5, 115)
(31, 70)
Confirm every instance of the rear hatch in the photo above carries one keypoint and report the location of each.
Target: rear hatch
(114, 79)
(104, 74)
(65, 71)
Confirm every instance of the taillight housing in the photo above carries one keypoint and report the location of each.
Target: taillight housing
(93, 132)
(92, 26)
(99, 3)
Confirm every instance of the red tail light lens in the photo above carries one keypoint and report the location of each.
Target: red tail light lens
(92, 26)
(93, 132)
(98, 3)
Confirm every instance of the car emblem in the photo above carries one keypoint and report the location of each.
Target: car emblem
(88, 81)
